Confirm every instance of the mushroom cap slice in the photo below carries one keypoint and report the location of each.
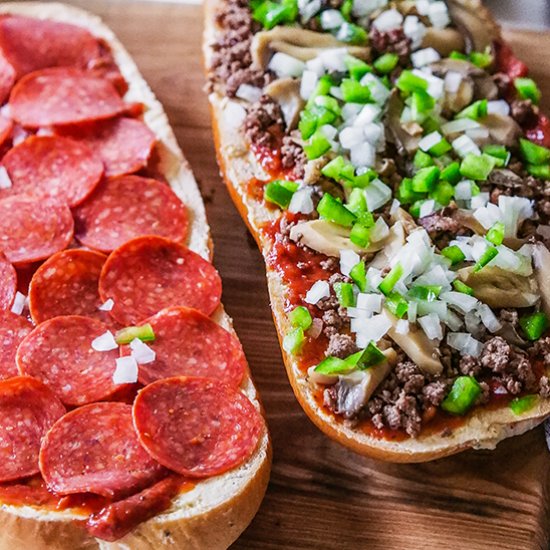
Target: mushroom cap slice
(499, 288)
(541, 258)
(503, 130)
(443, 41)
(286, 92)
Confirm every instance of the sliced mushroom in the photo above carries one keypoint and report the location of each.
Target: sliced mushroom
(444, 41)
(286, 92)
(460, 99)
(499, 288)
(503, 130)
(401, 215)
(475, 22)
(328, 238)
(298, 43)
(401, 138)
(417, 346)
(510, 334)
(541, 259)
(393, 244)
(312, 172)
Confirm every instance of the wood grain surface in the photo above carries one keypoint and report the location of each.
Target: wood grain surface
(321, 495)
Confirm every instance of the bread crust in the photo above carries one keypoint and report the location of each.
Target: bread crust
(215, 511)
(483, 429)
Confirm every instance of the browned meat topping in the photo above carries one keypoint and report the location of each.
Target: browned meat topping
(523, 112)
(341, 345)
(293, 157)
(443, 226)
(264, 122)
(393, 41)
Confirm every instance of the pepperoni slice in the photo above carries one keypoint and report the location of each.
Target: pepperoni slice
(187, 343)
(8, 283)
(196, 426)
(52, 166)
(127, 207)
(151, 273)
(94, 449)
(7, 78)
(123, 144)
(13, 329)
(63, 96)
(31, 229)
(30, 44)
(66, 284)
(28, 409)
(59, 353)
(6, 126)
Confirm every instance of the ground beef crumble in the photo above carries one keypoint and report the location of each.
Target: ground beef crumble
(264, 124)
(393, 41)
(443, 226)
(293, 157)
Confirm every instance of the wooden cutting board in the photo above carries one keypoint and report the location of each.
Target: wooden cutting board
(322, 495)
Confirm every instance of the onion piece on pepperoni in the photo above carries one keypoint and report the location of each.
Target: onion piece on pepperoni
(127, 207)
(196, 426)
(59, 353)
(31, 229)
(187, 343)
(66, 284)
(30, 44)
(8, 283)
(151, 273)
(28, 409)
(53, 166)
(63, 96)
(13, 330)
(94, 449)
(123, 144)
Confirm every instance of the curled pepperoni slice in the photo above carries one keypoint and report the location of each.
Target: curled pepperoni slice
(28, 409)
(151, 273)
(52, 166)
(123, 144)
(63, 96)
(59, 353)
(13, 329)
(187, 343)
(7, 78)
(196, 426)
(66, 284)
(31, 229)
(94, 449)
(8, 283)
(6, 126)
(30, 44)
(127, 207)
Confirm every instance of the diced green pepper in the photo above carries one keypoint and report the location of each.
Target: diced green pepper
(352, 34)
(421, 104)
(280, 192)
(534, 325)
(144, 332)
(439, 149)
(533, 153)
(360, 235)
(386, 63)
(334, 211)
(300, 317)
(486, 257)
(409, 82)
(459, 286)
(528, 89)
(405, 192)
(317, 146)
(334, 366)
(357, 67)
(541, 172)
(519, 405)
(454, 253)
(475, 111)
(339, 170)
(344, 293)
(294, 340)
(396, 304)
(495, 235)
(428, 293)
(422, 160)
(425, 179)
(477, 167)
(391, 279)
(498, 152)
(443, 193)
(451, 173)
(458, 55)
(358, 275)
(354, 92)
(481, 59)
(270, 14)
(463, 395)
(369, 357)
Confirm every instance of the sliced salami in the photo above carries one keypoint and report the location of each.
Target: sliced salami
(187, 343)
(123, 144)
(13, 329)
(7, 79)
(32, 229)
(151, 273)
(66, 284)
(28, 409)
(94, 449)
(127, 207)
(197, 427)
(30, 44)
(59, 353)
(63, 96)
(6, 126)
(8, 283)
(52, 166)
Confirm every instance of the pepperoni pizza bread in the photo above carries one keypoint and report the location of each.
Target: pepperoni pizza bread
(391, 160)
(128, 418)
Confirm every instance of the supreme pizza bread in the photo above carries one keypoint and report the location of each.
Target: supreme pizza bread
(392, 162)
(128, 418)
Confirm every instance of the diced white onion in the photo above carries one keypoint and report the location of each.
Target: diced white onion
(105, 342)
(249, 93)
(452, 320)
(314, 331)
(459, 125)
(488, 215)
(414, 30)
(465, 343)
(126, 371)
(395, 205)
(348, 260)
(498, 107)
(18, 303)
(459, 300)
(283, 64)
(453, 80)
(514, 211)
(463, 190)
(309, 9)
(378, 91)
(362, 8)
(308, 83)
(479, 200)
(374, 277)
(436, 307)
(331, 19)
(436, 85)
(377, 194)
(141, 352)
(464, 145)
(388, 20)
(478, 134)
(402, 326)
(431, 325)
(350, 111)
(423, 57)
(436, 276)
(369, 302)
(335, 91)
(107, 305)
(489, 319)
(439, 14)
(373, 132)
(369, 113)
(350, 137)
(380, 230)
(301, 202)
(334, 59)
(427, 208)
(372, 329)
(357, 313)
(316, 66)
(5, 181)
(427, 142)
(423, 6)
(412, 312)
(363, 154)
(318, 291)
